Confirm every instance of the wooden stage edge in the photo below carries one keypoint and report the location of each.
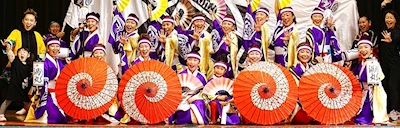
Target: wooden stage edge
(17, 121)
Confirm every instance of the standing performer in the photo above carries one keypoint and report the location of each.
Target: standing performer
(195, 110)
(127, 44)
(304, 55)
(47, 110)
(226, 42)
(260, 33)
(198, 37)
(87, 37)
(285, 39)
(323, 39)
(390, 61)
(370, 74)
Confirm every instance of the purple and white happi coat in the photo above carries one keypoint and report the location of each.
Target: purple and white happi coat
(280, 47)
(325, 44)
(197, 109)
(48, 102)
(85, 48)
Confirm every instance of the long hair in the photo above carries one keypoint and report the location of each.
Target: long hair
(396, 16)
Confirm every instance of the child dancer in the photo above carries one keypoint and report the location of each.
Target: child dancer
(304, 55)
(20, 73)
(144, 49)
(220, 106)
(370, 74)
(254, 55)
(196, 114)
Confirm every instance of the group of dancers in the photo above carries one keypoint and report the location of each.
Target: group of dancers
(206, 56)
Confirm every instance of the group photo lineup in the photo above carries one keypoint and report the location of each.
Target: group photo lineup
(289, 63)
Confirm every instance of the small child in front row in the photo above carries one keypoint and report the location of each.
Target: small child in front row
(370, 75)
(220, 107)
(20, 73)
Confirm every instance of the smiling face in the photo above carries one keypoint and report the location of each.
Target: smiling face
(130, 26)
(364, 24)
(227, 27)
(53, 50)
(219, 71)
(304, 55)
(54, 28)
(254, 57)
(168, 27)
(144, 50)
(92, 25)
(317, 19)
(364, 50)
(261, 18)
(23, 55)
(287, 18)
(199, 25)
(99, 54)
(390, 20)
(29, 22)
(192, 64)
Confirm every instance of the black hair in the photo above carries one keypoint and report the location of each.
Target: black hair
(94, 14)
(222, 57)
(396, 16)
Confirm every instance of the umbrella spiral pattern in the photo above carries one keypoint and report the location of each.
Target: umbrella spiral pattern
(265, 93)
(330, 93)
(85, 91)
(136, 81)
(282, 87)
(83, 101)
(149, 92)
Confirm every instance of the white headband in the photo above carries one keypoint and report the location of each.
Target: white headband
(364, 42)
(221, 64)
(229, 20)
(93, 17)
(317, 12)
(53, 42)
(168, 20)
(133, 18)
(303, 47)
(193, 55)
(198, 18)
(263, 10)
(286, 10)
(254, 49)
(99, 48)
(144, 41)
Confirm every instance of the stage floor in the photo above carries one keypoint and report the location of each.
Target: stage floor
(17, 120)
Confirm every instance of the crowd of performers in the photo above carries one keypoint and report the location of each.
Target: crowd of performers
(208, 56)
